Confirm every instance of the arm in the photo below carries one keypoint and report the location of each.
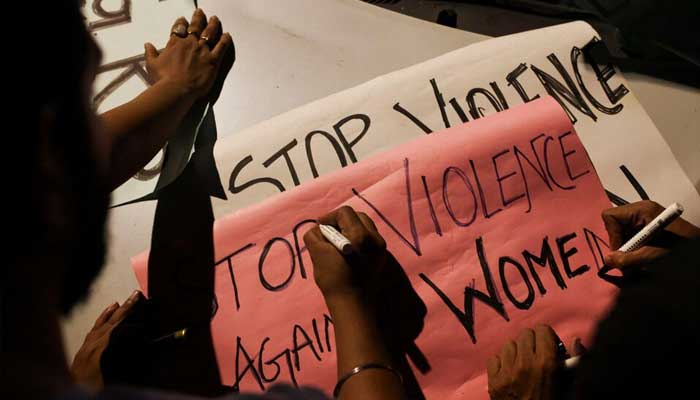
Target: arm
(140, 128)
(359, 342)
(185, 72)
(342, 282)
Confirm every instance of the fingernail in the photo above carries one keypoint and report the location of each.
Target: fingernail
(134, 296)
(114, 305)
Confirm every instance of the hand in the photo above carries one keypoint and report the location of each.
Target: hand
(192, 62)
(338, 275)
(625, 221)
(86, 364)
(524, 369)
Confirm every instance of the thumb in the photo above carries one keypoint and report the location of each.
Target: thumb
(151, 52)
(577, 348)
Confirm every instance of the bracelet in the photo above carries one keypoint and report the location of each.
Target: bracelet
(360, 368)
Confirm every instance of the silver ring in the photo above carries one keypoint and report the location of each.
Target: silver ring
(179, 30)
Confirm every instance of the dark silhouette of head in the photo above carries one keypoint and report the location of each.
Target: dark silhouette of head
(58, 211)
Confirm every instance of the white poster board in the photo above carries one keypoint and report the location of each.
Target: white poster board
(292, 148)
(121, 27)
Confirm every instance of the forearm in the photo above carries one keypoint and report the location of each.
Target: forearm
(358, 342)
(141, 127)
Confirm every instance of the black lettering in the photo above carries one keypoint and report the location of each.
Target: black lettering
(500, 179)
(415, 245)
(512, 79)
(297, 245)
(527, 302)
(327, 322)
(249, 366)
(441, 103)
(458, 109)
(604, 74)
(635, 183)
(549, 170)
(436, 223)
(566, 254)
(477, 112)
(407, 114)
(230, 271)
(446, 200)
(561, 93)
(349, 144)
(297, 347)
(266, 284)
(336, 146)
(284, 152)
(566, 155)
(594, 245)
(239, 167)
(499, 95)
(575, 54)
(484, 207)
(269, 362)
(492, 300)
(546, 257)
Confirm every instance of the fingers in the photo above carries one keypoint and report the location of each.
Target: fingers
(508, 353)
(621, 221)
(222, 47)
(106, 315)
(493, 366)
(123, 311)
(212, 33)
(613, 227)
(315, 242)
(182, 21)
(526, 346)
(151, 52)
(546, 341)
(636, 258)
(198, 23)
(372, 229)
(346, 219)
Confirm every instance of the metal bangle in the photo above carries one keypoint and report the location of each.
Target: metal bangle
(360, 368)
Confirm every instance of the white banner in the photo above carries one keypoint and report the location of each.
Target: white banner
(629, 153)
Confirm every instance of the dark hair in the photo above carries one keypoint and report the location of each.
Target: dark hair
(70, 188)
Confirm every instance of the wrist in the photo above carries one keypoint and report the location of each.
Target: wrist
(179, 90)
(344, 299)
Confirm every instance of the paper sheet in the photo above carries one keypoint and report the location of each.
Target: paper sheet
(516, 182)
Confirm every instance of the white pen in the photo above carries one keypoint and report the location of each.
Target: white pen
(336, 238)
(660, 222)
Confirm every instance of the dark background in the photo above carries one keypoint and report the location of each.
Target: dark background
(658, 38)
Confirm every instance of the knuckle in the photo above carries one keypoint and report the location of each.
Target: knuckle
(345, 210)
(308, 237)
(649, 206)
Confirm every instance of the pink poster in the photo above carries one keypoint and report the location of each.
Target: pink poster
(496, 224)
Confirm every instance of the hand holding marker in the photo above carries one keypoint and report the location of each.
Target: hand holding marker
(642, 237)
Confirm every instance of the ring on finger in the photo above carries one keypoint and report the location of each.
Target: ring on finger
(179, 30)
